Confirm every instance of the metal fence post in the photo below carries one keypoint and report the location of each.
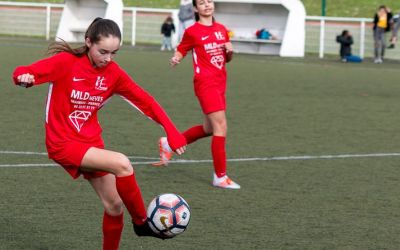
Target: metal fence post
(362, 38)
(134, 13)
(322, 38)
(48, 20)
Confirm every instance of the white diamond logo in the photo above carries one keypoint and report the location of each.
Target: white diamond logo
(217, 61)
(78, 118)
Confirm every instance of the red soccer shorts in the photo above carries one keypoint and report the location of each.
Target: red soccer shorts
(70, 154)
(212, 100)
(211, 93)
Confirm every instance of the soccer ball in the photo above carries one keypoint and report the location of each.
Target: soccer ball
(168, 215)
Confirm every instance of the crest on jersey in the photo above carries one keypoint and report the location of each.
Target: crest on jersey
(78, 118)
(100, 84)
(219, 35)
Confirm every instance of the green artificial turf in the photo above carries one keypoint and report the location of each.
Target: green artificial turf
(276, 108)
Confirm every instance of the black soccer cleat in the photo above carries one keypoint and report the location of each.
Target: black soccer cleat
(145, 230)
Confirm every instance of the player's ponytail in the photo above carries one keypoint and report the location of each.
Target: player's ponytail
(98, 29)
(196, 14)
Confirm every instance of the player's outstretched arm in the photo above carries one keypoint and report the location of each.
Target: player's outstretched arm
(42, 71)
(176, 140)
(144, 102)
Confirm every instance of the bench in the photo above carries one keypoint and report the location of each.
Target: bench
(256, 46)
(254, 40)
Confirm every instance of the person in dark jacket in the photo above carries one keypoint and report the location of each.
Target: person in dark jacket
(166, 30)
(346, 40)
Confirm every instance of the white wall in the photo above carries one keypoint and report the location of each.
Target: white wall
(78, 14)
(285, 19)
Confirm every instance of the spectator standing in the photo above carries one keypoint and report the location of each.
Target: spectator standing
(186, 17)
(382, 21)
(166, 30)
(395, 30)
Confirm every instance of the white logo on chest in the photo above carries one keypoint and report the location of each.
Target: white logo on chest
(78, 79)
(219, 35)
(218, 61)
(78, 118)
(100, 84)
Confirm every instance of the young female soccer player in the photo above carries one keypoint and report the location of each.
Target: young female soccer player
(211, 49)
(81, 81)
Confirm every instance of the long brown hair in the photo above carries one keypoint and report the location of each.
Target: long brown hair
(196, 14)
(97, 29)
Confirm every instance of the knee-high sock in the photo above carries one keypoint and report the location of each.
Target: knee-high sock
(219, 155)
(112, 229)
(130, 194)
(194, 133)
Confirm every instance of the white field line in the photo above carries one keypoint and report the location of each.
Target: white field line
(277, 158)
(21, 153)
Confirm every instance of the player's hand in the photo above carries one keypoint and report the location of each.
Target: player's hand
(181, 150)
(228, 47)
(175, 60)
(25, 80)
(177, 143)
(228, 51)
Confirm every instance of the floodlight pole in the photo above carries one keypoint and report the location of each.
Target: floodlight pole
(323, 8)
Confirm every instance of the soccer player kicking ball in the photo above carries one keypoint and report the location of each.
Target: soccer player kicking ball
(81, 81)
(211, 49)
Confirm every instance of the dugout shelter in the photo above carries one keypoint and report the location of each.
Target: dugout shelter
(284, 19)
(78, 14)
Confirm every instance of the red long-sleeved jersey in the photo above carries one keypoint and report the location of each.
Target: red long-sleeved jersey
(209, 57)
(78, 90)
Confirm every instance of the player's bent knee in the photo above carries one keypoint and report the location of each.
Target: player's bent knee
(124, 166)
(221, 127)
